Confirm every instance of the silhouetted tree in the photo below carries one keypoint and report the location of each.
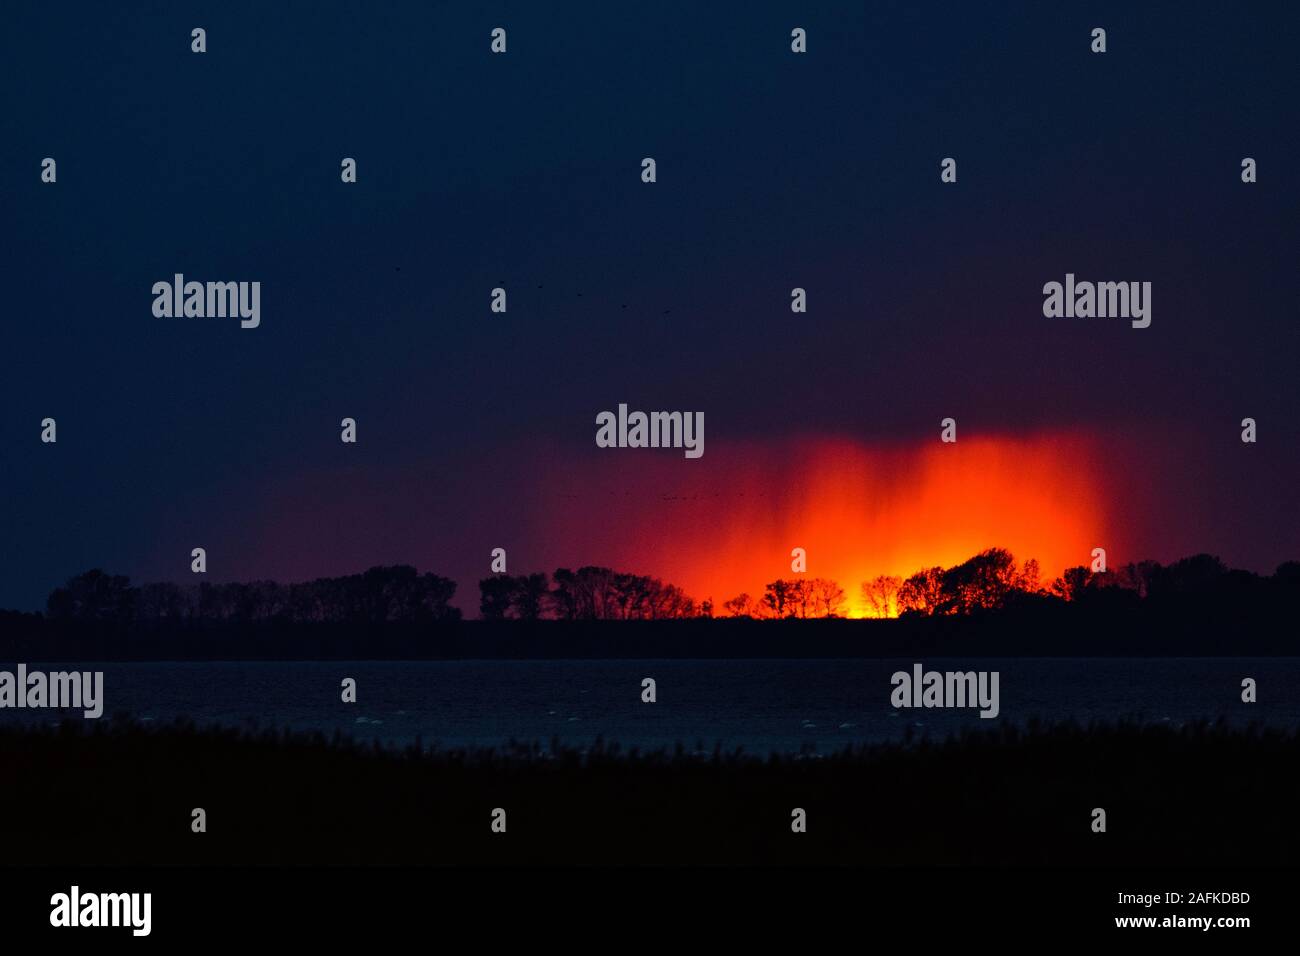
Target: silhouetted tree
(880, 594)
(530, 595)
(1137, 577)
(742, 605)
(563, 598)
(798, 597)
(94, 596)
(922, 593)
(1287, 574)
(1027, 578)
(164, 601)
(827, 597)
(979, 583)
(777, 597)
(495, 596)
(1188, 577)
(397, 594)
(594, 593)
(802, 598)
(1072, 582)
(380, 595)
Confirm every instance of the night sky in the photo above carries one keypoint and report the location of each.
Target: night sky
(775, 170)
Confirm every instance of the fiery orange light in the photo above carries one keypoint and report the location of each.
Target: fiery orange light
(726, 524)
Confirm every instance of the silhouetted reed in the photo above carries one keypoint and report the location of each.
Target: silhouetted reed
(122, 792)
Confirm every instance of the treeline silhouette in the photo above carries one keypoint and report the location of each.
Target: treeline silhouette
(587, 594)
(993, 581)
(381, 595)
(988, 605)
(989, 581)
(1201, 794)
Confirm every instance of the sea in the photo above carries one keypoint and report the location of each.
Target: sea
(757, 706)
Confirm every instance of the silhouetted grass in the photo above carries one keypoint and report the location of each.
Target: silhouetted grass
(121, 792)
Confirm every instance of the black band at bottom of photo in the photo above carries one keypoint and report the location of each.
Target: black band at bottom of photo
(180, 904)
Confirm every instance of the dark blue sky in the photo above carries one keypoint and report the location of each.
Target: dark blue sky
(522, 170)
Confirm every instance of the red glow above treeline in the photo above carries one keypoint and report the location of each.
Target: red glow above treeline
(726, 524)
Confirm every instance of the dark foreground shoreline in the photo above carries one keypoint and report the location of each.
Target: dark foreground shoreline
(118, 793)
(1042, 631)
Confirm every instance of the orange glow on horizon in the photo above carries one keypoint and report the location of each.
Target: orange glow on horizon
(858, 510)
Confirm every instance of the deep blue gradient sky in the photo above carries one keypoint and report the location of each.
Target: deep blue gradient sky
(522, 170)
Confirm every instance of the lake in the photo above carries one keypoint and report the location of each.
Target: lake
(759, 705)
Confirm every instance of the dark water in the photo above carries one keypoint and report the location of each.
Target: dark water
(760, 705)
